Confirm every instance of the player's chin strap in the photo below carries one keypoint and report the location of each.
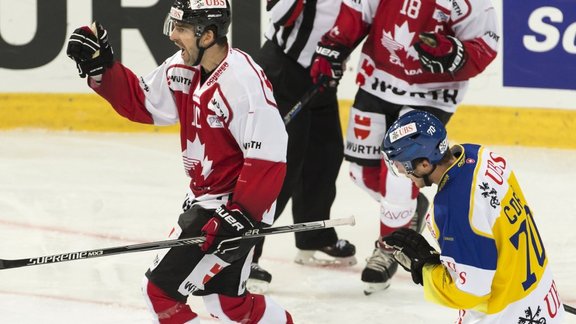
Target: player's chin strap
(426, 177)
(201, 50)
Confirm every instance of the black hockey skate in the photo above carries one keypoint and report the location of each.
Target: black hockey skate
(340, 253)
(258, 280)
(379, 270)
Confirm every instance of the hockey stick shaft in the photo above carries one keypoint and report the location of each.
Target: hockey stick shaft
(166, 244)
(305, 99)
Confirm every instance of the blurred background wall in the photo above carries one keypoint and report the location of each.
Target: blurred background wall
(526, 97)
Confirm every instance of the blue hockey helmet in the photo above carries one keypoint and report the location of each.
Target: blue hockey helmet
(415, 135)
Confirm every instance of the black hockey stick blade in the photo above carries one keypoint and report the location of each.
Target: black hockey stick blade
(166, 244)
(322, 81)
(570, 309)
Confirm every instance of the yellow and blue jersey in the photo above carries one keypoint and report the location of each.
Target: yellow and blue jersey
(494, 264)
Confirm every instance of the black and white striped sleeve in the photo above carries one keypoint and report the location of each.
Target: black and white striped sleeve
(284, 12)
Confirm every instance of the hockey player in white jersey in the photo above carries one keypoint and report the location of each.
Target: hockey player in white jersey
(492, 264)
(233, 144)
(417, 55)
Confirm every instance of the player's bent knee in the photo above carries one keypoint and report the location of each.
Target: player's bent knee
(167, 309)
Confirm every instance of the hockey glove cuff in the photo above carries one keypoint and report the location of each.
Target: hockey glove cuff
(90, 49)
(440, 53)
(412, 252)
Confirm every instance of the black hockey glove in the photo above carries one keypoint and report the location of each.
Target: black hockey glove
(412, 252)
(224, 231)
(440, 53)
(328, 60)
(89, 48)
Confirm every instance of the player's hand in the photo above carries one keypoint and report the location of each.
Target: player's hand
(440, 53)
(411, 251)
(328, 60)
(224, 231)
(90, 49)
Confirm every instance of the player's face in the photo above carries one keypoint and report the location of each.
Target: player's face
(419, 182)
(184, 37)
(399, 169)
(422, 170)
(396, 167)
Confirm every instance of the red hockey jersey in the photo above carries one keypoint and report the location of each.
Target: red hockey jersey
(389, 67)
(232, 135)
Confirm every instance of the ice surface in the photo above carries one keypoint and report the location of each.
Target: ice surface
(65, 192)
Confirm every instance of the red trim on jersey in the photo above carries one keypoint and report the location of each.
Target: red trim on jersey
(226, 103)
(182, 66)
(258, 186)
(478, 56)
(127, 99)
(466, 15)
(263, 83)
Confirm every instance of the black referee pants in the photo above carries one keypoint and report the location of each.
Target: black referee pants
(315, 147)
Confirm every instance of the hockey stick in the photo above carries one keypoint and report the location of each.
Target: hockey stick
(299, 227)
(305, 99)
(570, 309)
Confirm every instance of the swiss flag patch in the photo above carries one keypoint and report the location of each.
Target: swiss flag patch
(362, 127)
(213, 271)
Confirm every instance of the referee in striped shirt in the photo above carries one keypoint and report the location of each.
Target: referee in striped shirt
(315, 145)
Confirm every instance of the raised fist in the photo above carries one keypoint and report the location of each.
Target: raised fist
(89, 48)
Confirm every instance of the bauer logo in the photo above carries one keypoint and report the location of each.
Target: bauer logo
(540, 46)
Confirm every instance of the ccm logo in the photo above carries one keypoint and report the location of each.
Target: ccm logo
(328, 52)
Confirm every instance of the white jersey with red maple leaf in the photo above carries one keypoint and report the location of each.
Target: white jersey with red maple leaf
(389, 67)
(233, 138)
